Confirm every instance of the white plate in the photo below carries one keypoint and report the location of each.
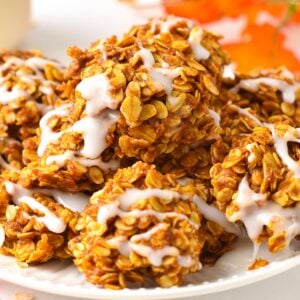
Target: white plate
(230, 272)
(55, 26)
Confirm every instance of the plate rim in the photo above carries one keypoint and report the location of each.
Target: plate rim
(218, 285)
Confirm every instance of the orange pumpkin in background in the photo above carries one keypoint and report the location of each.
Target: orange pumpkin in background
(256, 32)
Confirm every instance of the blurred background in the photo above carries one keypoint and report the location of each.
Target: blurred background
(264, 33)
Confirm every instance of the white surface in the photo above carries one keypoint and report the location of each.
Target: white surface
(284, 286)
(59, 23)
(230, 272)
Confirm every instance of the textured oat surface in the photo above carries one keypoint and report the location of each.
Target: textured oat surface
(182, 227)
(148, 114)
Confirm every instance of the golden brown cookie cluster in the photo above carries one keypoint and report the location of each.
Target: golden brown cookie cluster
(155, 84)
(146, 224)
(140, 160)
(257, 181)
(28, 89)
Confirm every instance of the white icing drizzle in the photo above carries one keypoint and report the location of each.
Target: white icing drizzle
(121, 243)
(281, 147)
(93, 127)
(95, 91)
(245, 112)
(7, 96)
(10, 62)
(94, 139)
(2, 236)
(255, 211)
(280, 143)
(162, 77)
(147, 235)
(228, 72)
(75, 202)
(288, 90)
(10, 141)
(287, 73)
(94, 131)
(43, 108)
(131, 196)
(46, 87)
(216, 117)
(171, 21)
(101, 46)
(155, 256)
(60, 160)
(112, 210)
(184, 181)
(39, 63)
(195, 42)
(21, 195)
(213, 214)
(47, 135)
(251, 156)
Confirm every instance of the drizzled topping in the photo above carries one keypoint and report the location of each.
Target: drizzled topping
(21, 195)
(245, 112)
(250, 147)
(184, 181)
(281, 147)
(195, 39)
(60, 160)
(167, 25)
(162, 77)
(7, 96)
(280, 143)
(216, 117)
(75, 202)
(228, 72)
(288, 90)
(255, 211)
(101, 46)
(93, 127)
(155, 256)
(112, 210)
(94, 131)
(37, 64)
(48, 136)
(131, 196)
(95, 91)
